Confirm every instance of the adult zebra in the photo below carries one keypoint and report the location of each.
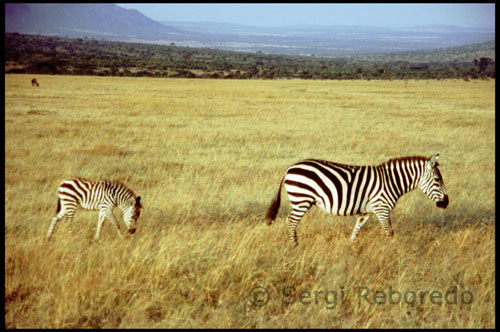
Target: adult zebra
(102, 196)
(356, 190)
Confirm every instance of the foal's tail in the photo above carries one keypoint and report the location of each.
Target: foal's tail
(58, 204)
(273, 209)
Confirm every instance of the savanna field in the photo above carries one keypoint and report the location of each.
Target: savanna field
(206, 156)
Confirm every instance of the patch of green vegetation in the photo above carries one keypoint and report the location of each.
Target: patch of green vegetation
(36, 54)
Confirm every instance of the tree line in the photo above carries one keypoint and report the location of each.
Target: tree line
(35, 54)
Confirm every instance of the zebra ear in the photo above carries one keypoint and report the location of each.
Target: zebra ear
(138, 200)
(434, 160)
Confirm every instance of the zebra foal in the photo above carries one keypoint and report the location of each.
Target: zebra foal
(347, 190)
(102, 196)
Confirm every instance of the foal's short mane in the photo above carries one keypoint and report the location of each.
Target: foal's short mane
(115, 182)
(121, 184)
(402, 159)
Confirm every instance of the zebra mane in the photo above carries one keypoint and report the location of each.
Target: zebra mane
(121, 184)
(115, 182)
(403, 159)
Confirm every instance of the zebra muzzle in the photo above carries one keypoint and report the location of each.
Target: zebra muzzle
(131, 231)
(444, 203)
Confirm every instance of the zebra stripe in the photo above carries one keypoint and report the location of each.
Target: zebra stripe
(347, 190)
(102, 196)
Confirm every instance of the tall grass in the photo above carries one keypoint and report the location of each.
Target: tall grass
(206, 157)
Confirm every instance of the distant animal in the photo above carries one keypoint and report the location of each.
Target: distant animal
(346, 190)
(34, 82)
(102, 196)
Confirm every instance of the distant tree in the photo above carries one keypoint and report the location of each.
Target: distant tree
(185, 73)
(17, 71)
(482, 64)
(419, 67)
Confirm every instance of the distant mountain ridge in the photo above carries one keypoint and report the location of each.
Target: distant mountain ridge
(105, 21)
(114, 23)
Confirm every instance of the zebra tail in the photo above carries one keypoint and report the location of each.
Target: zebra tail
(58, 205)
(273, 209)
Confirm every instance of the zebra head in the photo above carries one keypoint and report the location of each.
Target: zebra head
(432, 183)
(131, 215)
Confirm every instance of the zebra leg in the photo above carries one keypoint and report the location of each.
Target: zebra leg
(56, 219)
(360, 222)
(293, 220)
(99, 224)
(69, 220)
(385, 221)
(52, 226)
(112, 218)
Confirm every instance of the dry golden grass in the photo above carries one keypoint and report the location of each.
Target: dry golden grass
(206, 157)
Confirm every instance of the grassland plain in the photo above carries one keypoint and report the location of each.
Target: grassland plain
(206, 156)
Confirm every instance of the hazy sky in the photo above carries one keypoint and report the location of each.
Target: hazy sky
(268, 15)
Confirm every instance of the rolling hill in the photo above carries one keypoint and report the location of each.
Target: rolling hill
(83, 56)
(331, 40)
